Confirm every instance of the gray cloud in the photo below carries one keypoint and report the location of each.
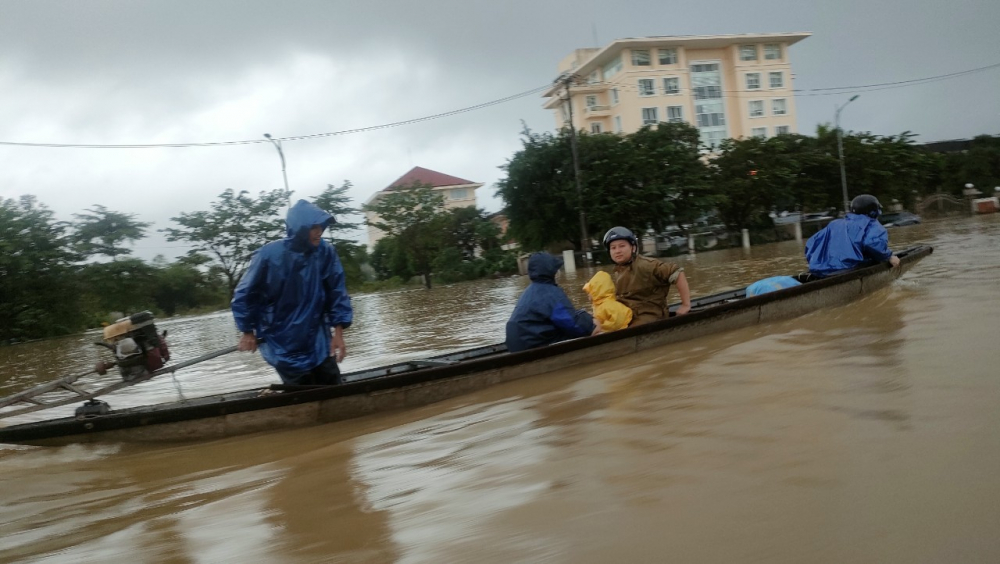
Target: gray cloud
(183, 71)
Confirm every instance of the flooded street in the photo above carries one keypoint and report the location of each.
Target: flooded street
(864, 433)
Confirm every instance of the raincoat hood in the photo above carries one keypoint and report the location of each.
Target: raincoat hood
(301, 217)
(608, 312)
(542, 267)
(600, 287)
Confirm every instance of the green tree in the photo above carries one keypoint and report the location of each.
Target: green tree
(236, 226)
(101, 231)
(413, 216)
(38, 292)
(124, 285)
(389, 260)
(668, 179)
(751, 177)
(468, 230)
(184, 285)
(640, 180)
(352, 256)
(335, 201)
(539, 193)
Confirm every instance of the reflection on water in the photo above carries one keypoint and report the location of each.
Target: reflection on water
(866, 432)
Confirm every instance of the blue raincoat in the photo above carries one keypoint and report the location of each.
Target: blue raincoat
(544, 315)
(856, 240)
(293, 293)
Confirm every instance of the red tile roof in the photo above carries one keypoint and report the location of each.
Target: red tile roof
(427, 176)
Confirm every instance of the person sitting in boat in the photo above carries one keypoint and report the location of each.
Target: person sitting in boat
(608, 312)
(543, 314)
(642, 283)
(854, 241)
(291, 297)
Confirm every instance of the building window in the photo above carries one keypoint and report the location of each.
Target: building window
(781, 130)
(667, 56)
(618, 124)
(779, 107)
(646, 87)
(772, 51)
(759, 132)
(748, 52)
(594, 78)
(613, 67)
(595, 127)
(640, 58)
(709, 108)
(675, 114)
(756, 108)
(753, 80)
(711, 139)
(710, 115)
(650, 116)
(458, 194)
(591, 101)
(614, 96)
(777, 79)
(671, 85)
(707, 92)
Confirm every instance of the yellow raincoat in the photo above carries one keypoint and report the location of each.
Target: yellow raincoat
(608, 312)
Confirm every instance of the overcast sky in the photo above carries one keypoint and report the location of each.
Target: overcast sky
(175, 71)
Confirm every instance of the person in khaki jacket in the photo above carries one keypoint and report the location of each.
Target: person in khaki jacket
(642, 283)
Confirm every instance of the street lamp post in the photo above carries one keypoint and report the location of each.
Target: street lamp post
(840, 152)
(277, 145)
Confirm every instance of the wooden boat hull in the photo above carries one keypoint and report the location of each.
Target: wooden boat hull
(404, 385)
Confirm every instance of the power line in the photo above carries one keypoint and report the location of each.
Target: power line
(903, 82)
(291, 138)
(827, 91)
(800, 92)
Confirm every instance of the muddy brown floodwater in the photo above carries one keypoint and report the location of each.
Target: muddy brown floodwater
(864, 433)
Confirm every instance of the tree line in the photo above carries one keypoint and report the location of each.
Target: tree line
(662, 175)
(57, 277)
(422, 238)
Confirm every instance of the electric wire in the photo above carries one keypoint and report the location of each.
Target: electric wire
(289, 138)
(770, 92)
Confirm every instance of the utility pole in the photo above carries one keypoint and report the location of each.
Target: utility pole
(840, 152)
(566, 80)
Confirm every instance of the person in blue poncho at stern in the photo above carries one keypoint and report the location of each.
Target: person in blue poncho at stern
(854, 241)
(291, 298)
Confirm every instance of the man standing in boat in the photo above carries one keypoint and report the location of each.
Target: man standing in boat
(291, 297)
(856, 240)
(642, 283)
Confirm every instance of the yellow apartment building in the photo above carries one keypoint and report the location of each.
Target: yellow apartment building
(457, 193)
(728, 86)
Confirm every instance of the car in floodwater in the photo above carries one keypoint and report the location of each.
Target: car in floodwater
(898, 219)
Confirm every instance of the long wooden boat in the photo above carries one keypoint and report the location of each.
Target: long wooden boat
(420, 382)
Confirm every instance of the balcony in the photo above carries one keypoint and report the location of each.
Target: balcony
(598, 111)
(589, 87)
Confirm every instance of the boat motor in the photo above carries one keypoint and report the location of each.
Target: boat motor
(138, 349)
